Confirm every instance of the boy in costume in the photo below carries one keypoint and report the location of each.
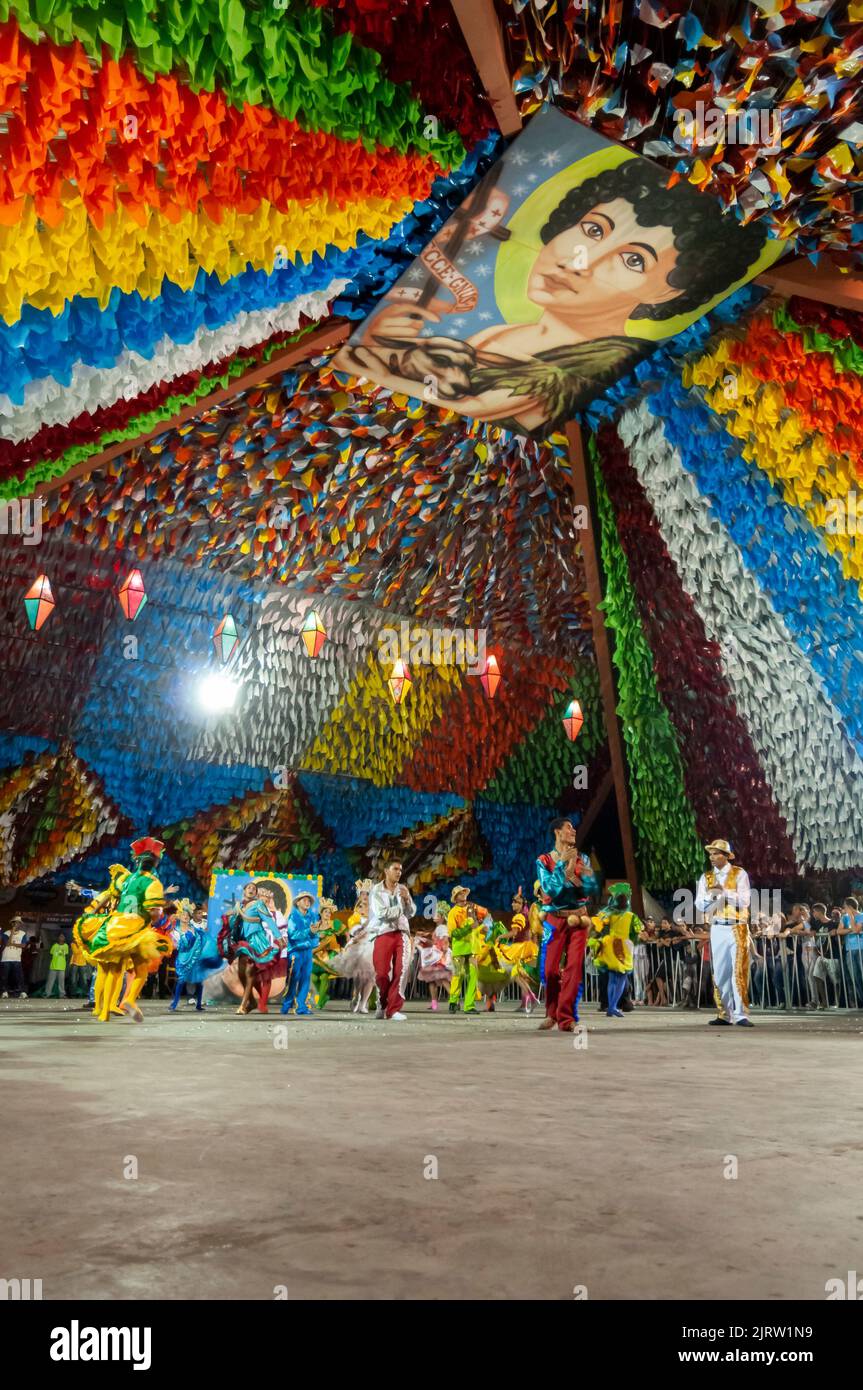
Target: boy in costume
(302, 940)
(722, 896)
(390, 909)
(565, 881)
(465, 935)
(616, 929)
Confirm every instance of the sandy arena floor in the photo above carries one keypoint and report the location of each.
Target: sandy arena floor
(273, 1153)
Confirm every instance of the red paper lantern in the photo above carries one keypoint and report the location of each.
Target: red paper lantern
(399, 681)
(491, 677)
(573, 720)
(132, 594)
(39, 602)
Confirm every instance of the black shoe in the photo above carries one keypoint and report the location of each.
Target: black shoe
(720, 1023)
(453, 1008)
(744, 1023)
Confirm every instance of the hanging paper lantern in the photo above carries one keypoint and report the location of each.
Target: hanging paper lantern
(39, 602)
(399, 681)
(573, 720)
(132, 594)
(314, 633)
(491, 677)
(226, 638)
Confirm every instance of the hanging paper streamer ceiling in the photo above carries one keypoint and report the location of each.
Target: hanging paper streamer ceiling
(758, 105)
(734, 563)
(180, 196)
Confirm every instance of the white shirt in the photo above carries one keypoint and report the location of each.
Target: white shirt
(12, 950)
(385, 909)
(735, 898)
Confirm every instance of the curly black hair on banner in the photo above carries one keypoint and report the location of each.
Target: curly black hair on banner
(713, 251)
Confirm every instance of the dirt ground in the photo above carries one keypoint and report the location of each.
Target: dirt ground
(209, 1156)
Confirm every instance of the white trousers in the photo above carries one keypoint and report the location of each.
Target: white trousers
(729, 957)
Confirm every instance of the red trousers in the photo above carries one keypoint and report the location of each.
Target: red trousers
(391, 956)
(564, 961)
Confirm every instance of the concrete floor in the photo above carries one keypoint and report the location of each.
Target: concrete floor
(261, 1165)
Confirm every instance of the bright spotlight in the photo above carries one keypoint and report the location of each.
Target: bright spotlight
(217, 692)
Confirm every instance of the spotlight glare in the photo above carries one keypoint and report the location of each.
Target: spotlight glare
(217, 692)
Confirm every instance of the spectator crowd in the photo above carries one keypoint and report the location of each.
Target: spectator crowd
(809, 958)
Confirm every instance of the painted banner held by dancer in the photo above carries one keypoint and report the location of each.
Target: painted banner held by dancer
(227, 886)
(564, 267)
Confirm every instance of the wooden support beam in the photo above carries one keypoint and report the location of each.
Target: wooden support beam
(600, 796)
(607, 687)
(481, 28)
(325, 336)
(822, 282)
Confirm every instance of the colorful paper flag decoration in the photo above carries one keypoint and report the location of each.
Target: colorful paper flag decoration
(132, 594)
(226, 638)
(314, 633)
(39, 602)
(399, 681)
(491, 677)
(573, 720)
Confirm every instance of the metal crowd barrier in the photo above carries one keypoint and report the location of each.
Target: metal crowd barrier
(782, 975)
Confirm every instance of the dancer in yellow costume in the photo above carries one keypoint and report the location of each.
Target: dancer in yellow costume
(616, 928)
(117, 933)
(506, 955)
(465, 936)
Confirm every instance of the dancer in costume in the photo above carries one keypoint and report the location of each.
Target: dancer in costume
(356, 961)
(527, 927)
(504, 956)
(331, 936)
(390, 908)
(302, 940)
(257, 945)
(465, 933)
(565, 882)
(267, 974)
(722, 896)
(197, 956)
(122, 938)
(98, 910)
(435, 956)
(616, 929)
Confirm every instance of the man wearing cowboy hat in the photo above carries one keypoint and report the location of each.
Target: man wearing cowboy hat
(302, 940)
(722, 896)
(11, 968)
(461, 923)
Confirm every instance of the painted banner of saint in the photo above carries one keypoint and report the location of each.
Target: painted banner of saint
(568, 263)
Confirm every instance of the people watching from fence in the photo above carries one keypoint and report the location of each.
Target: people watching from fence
(57, 968)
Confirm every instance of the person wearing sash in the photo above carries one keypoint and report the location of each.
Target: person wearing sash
(722, 896)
